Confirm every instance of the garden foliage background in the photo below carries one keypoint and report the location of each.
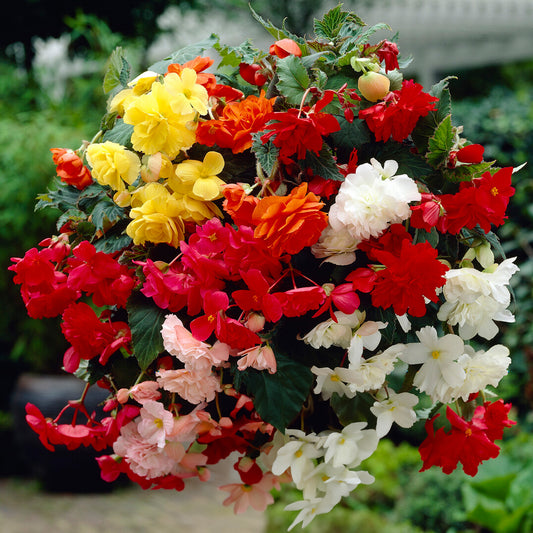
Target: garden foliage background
(51, 68)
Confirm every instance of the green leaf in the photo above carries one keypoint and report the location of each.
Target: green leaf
(113, 243)
(467, 172)
(104, 210)
(351, 135)
(278, 398)
(323, 164)
(441, 143)
(266, 154)
(145, 320)
(329, 27)
(120, 134)
(235, 55)
(277, 33)
(408, 163)
(64, 197)
(118, 71)
(185, 54)
(348, 410)
(71, 214)
(293, 79)
(421, 235)
(426, 126)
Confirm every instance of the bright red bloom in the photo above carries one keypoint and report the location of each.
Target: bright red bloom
(391, 241)
(70, 168)
(398, 113)
(363, 279)
(496, 417)
(289, 223)
(323, 187)
(297, 302)
(470, 154)
(466, 443)
(388, 52)
(481, 202)
(294, 132)
(234, 334)
(44, 288)
(257, 298)
(89, 336)
(408, 278)
(97, 273)
(426, 214)
(284, 48)
(215, 303)
(236, 124)
(342, 296)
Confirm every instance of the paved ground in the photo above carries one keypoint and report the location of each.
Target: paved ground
(198, 509)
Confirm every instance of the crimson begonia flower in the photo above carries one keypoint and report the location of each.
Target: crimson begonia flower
(203, 326)
(426, 214)
(397, 114)
(472, 153)
(466, 443)
(100, 275)
(342, 296)
(495, 415)
(482, 202)
(295, 132)
(390, 241)
(258, 297)
(408, 278)
(234, 334)
(297, 302)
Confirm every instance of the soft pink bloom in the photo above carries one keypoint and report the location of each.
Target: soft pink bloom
(179, 341)
(147, 390)
(145, 459)
(156, 423)
(256, 496)
(195, 387)
(258, 357)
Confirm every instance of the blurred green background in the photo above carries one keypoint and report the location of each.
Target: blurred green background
(51, 69)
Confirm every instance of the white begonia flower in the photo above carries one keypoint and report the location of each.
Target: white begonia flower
(297, 455)
(398, 407)
(350, 446)
(438, 356)
(370, 374)
(336, 246)
(308, 510)
(330, 333)
(328, 382)
(404, 322)
(474, 299)
(371, 199)
(367, 336)
(482, 368)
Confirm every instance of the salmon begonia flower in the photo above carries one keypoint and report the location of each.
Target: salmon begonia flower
(284, 48)
(290, 223)
(70, 168)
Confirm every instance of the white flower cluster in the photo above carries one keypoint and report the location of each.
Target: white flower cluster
(322, 466)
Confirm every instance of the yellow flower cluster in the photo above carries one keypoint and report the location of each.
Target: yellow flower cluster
(163, 112)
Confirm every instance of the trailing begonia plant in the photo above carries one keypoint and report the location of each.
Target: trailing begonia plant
(280, 260)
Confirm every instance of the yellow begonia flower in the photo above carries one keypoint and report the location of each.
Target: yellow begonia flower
(143, 82)
(198, 211)
(156, 166)
(158, 217)
(199, 179)
(112, 164)
(156, 126)
(187, 94)
(120, 101)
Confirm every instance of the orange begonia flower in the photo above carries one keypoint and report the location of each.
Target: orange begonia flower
(290, 223)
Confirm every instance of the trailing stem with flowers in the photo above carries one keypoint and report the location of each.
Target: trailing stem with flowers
(280, 260)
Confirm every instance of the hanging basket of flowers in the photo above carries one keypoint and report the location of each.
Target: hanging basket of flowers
(282, 260)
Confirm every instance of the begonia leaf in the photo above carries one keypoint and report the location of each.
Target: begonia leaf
(293, 79)
(278, 398)
(120, 134)
(324, 164)
(329, 27)
(118, 71)
(145, 320)
(441, 143)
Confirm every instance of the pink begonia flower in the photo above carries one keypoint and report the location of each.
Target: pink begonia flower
(258, 357)
(147, 390)
(256, 496)
(156, 422)
(195, 387)
(145, 459)
(180, 342)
